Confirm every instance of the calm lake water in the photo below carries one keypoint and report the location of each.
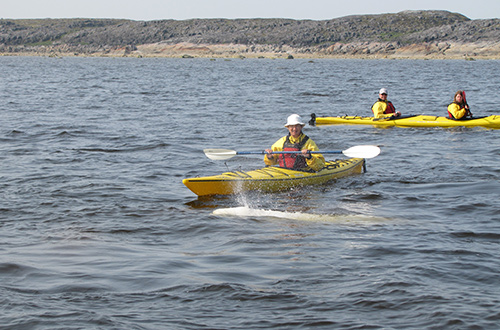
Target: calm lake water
(97, 230)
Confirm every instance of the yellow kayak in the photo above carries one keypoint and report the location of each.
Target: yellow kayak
(492, 121)
(270, 179)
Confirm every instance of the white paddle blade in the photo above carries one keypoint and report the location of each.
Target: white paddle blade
(219, 154)
(365, 151)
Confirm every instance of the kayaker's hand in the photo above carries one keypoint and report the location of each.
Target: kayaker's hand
(468, 113)
(306, 153)
(269, 154)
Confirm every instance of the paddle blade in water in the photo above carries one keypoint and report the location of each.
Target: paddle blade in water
(364, 151)
(219, 154)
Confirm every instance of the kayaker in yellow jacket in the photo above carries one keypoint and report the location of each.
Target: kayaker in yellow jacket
(384, 108)
(296, 140)
(459, 109)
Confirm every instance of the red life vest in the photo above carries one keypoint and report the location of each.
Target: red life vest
(293, 161)
(390, 108)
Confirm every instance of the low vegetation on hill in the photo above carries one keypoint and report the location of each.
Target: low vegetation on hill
(425, 33)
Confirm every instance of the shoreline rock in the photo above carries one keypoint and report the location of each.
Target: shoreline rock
(359, 50)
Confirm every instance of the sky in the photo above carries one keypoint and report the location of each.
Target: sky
(146, 10)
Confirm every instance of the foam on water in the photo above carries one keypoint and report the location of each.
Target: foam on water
(245, 211)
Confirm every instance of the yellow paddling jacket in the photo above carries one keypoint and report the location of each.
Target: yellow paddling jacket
(382, 109)
(456, 111)
(316, 162)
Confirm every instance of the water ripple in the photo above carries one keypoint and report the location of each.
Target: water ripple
(98, 231)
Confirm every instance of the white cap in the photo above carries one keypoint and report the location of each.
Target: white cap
(294, 120)
(383, 91)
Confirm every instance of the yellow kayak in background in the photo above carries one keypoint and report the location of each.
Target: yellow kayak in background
(271, 179)
(492, 121)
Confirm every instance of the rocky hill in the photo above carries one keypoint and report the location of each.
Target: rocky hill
(426, 34)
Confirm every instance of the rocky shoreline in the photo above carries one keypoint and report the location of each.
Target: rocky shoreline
(405, 35)
(362, 50)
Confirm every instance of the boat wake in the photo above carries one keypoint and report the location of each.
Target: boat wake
(245, 211)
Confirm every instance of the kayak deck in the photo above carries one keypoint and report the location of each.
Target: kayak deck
(492, 121)
(271, 179)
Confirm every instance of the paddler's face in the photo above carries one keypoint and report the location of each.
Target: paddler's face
(295, 130)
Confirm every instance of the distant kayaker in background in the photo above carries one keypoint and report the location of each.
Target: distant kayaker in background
(459, 109)
(384, 108)
(296, 140)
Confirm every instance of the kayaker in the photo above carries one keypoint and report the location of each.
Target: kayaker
(296, 140)
(384, 108)
(459, 109)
